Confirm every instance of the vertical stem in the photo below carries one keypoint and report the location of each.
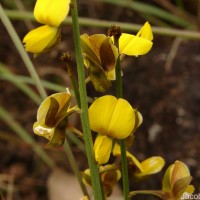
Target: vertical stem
(119, 94)
(95, 178)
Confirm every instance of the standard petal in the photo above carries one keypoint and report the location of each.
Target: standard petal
(123, 120)
(146, 32)
(133, 45)
(102, 148)
(51, 12)
(41, 39)
(100, 113)
(180, 170)
(90, 51)
(54, 106)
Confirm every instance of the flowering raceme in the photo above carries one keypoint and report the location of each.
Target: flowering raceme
(51, 13)
(111, 118)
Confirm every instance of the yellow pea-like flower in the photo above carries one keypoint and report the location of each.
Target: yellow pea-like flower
(51, 12)
(134, 45)
(111, 118)
(41, 39)
(52, 117)
(109, 175)
(143, 169)
(177, 180)
(175, 183)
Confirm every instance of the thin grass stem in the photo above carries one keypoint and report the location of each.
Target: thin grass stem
(25, 136)
(18, 44)
(129, 27)
(74, 167)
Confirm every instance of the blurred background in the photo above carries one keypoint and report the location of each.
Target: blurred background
(164, 85)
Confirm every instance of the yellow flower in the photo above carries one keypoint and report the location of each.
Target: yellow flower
(177, 180)
(36, 42)
(52, 117)
(142, 169)
(111, 118)
(175, 184)
(109, 177)
(134, 45)
(100, 57)
(51, 13)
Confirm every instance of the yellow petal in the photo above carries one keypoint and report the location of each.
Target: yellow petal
(181, 186)
(100, 113)
(123, 120)
(190, 189)
(90, 50)
(111, 75)
(102, 149)
(86, 177)
(138, 120)
(152, 165)
(61, 101)
(96, 41)
(112, 117)
(41, 39)
(133, 45)
(180, 170)
(43, 131)
(146, 32)
(51, 12)
(166, 182)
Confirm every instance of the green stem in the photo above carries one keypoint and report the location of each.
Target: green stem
(22, 52)
(75, 87)
(95, 178)
(124, 169)
(74, 166)
(119, 94)
(21, 132)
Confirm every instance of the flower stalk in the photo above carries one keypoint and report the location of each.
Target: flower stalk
(119, 94)
(96, 183)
